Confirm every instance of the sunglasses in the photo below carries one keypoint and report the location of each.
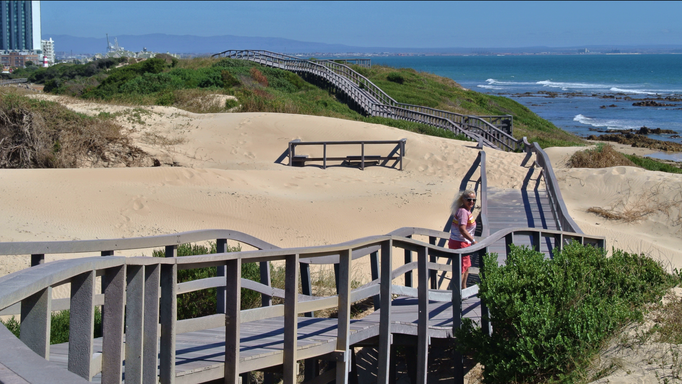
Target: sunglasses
(474, 200)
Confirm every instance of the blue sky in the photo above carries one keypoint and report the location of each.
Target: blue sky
(380, 24)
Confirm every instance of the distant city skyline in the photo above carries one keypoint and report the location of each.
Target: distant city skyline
(380, 24)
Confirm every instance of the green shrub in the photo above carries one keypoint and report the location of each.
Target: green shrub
(229, 80)
(395, 77)
(59, 326)
(204, 302)
(550, 315)
(231, 103)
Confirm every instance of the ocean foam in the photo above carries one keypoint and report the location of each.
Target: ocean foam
(614, 124)
(621, 90)
(489, 87)
(566, 86)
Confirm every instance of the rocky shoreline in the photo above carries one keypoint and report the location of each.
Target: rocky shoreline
(637, 140)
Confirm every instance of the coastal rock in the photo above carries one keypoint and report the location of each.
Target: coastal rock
(638, 141)
(654, 131)
(651, 103)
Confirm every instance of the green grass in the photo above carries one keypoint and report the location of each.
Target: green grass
(653, 165)
(263, 89)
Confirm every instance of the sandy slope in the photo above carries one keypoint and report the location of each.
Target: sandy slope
(656, 196)
(231, 173)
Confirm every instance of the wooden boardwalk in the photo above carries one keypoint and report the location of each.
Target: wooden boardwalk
(201, 355)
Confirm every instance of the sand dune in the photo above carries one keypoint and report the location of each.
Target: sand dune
(227, 175)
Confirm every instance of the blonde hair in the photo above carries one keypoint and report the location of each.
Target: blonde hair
(459, 200)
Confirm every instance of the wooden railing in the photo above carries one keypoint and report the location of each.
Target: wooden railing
(376, 102)
(396, 154)
(564, 220)
(132, 287)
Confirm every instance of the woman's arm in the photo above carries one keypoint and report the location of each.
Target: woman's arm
(465, 234)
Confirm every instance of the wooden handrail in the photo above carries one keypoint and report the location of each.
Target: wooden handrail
(564, 220)
(377, 103)
(30, 286)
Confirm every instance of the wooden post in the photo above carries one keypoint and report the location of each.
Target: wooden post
(385, 336)
(290, 367)
(168, 317)
(423, 322)
(135, 310)
(362, 156)
(266, 300)
(433, 274)
(152, 279)
(36, 311)
(112, 324)
(374, 266)
(535, 240)
(408, 259)
(232, 336)
(306, 284)
(81, 323)
(457, 319)
(221, 247)
(344, 316)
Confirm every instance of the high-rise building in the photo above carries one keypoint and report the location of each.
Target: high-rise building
(20, 25)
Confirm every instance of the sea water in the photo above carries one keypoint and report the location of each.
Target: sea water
(581, 85)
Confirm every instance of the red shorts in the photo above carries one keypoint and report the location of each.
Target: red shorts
(466, 260)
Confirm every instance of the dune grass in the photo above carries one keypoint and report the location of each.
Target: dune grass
(604, 155)
(44, 134)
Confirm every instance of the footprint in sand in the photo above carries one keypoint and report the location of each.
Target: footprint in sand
(291, 185)
(249, 155)
(323, 185)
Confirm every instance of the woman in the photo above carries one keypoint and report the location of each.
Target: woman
(463, 227)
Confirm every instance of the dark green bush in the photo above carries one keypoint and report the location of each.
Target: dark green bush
(395, 77)
(229, 80)
(550, 316)
(204, 302)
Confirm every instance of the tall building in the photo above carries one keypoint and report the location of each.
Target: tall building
(20, 25)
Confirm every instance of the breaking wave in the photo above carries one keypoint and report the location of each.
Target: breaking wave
(607, 123)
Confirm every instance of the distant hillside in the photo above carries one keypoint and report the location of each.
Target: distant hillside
(160, 42)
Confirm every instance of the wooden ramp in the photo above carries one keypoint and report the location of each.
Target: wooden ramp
(200, 355)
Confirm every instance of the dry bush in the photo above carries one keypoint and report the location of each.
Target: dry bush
(153, 138)
(654, 201)
(43, 134)
(259, 77)
(199, 100)
(603, 156)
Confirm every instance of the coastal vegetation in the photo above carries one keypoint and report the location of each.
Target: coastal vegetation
(172, 82)
(550, 316)
(604, 155)
(43, 134)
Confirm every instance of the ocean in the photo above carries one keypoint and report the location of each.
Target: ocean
(578, 93)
